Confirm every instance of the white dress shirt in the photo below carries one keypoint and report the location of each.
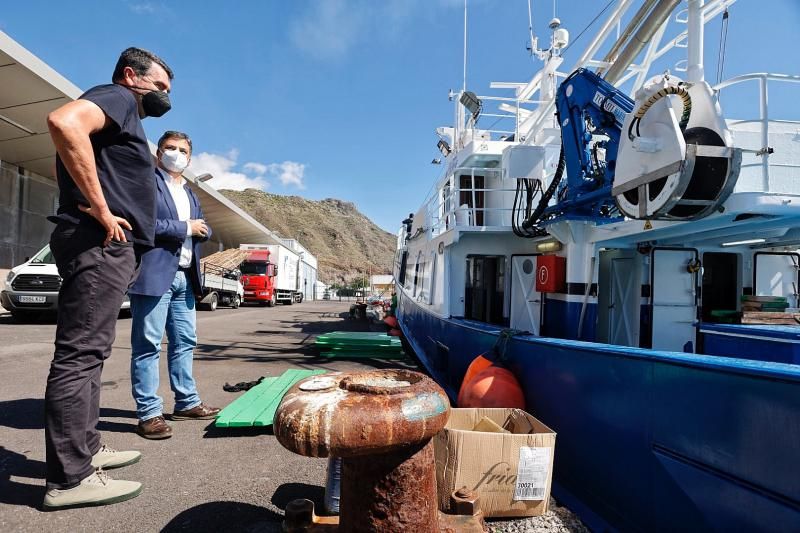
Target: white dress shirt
(181, 199)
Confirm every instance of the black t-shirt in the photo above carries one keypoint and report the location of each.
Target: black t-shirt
(124, 166)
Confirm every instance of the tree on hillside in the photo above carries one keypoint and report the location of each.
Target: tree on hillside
(359, 282)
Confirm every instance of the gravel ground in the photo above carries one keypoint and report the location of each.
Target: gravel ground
(557, 520)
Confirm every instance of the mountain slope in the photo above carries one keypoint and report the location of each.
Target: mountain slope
(346, 243)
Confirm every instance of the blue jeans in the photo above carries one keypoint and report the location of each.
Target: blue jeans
(152, 315)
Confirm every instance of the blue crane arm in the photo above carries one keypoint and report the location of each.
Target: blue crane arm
(587, 106)
(591, 113)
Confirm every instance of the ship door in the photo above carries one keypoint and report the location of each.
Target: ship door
(526, 301)
(721, 286)
(619, 297)
(674, 298)
(776, 275)
(625, 303)
(484, 298)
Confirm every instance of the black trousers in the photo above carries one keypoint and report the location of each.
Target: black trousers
(94, 281)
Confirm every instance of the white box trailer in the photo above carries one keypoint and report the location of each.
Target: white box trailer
(286, 262)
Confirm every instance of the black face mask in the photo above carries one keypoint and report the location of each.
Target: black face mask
(154, 103)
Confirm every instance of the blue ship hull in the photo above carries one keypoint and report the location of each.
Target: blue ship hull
(647, 440)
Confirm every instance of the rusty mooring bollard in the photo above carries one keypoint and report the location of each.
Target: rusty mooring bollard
(381, 424)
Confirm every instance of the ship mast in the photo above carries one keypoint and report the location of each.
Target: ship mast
(695, 27)
(644, 29)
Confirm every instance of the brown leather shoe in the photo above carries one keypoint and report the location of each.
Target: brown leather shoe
(200, 412)
(154, 428)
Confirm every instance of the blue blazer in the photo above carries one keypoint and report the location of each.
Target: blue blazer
(159, 264)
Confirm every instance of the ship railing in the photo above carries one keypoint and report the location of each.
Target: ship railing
(467, 218)
(510, 109)
(474, 207)
(764, 121)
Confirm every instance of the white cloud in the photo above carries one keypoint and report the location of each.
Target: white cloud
(259, 169)
(289, 172)
(328, 30)
(152, 8)
(142, 8)
(228, 174)
(222, 167)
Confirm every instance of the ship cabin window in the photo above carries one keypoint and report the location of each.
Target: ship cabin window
(432, 277)
(403, 267)
(446, 205)
(721, 290)
(485, 289)
(422, 281)
(471, 198)
(416, 273)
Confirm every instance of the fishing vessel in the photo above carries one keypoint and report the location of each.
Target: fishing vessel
(622, 235)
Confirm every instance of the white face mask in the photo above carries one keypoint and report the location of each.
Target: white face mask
(174, 160)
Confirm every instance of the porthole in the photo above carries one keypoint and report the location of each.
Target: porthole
(527, 266)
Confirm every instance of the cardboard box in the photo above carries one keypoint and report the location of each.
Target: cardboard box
(511, 472)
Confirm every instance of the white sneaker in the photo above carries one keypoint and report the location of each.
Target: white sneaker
(97, 489)
(110, 458)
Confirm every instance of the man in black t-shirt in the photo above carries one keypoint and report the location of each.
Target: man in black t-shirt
(105, 219)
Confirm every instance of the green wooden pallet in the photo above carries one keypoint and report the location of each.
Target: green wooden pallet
(360, 348)
(257, 406)
(362, 354)
(357, 338)
(359, 345)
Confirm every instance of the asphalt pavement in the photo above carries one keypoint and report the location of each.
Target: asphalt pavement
(202, 479)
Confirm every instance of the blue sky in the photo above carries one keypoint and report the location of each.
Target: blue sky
(340, 98)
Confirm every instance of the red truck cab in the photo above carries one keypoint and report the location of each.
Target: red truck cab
(258, 278)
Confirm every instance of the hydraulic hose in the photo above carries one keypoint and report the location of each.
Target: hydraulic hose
(679, 91)
(531, 221)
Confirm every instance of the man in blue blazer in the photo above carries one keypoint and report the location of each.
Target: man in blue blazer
(163, 296)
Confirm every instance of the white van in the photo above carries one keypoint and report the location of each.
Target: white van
(32, 287)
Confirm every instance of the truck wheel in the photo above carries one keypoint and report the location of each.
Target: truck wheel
(289, 300)
(237, 301)
(211, 303)
(300, 298)
(272, 301)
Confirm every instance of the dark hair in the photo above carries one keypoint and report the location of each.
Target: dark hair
(140, 61)
(174, 135)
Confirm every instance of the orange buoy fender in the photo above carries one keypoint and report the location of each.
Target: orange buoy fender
(394, 332)
(391, 322)
(492, 387)
(478, 364)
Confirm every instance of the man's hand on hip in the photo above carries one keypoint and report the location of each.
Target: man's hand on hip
(199, 228)
(112, 224)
